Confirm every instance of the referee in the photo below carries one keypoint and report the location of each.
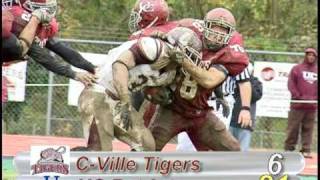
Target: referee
(228, 87)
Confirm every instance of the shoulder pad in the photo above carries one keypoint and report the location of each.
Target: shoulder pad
(150, 48)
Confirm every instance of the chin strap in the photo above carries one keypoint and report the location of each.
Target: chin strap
(153, 22)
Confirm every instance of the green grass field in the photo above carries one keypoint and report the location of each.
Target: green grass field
(8, 171)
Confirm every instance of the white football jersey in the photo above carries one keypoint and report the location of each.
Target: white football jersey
(150, 48)
(104, 73)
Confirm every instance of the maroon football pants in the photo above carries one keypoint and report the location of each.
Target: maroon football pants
(207, 132)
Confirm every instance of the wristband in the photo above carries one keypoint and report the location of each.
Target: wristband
(245, 108)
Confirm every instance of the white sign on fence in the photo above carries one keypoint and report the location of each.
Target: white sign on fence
(16, 79)
(275, 101)
(75, 87)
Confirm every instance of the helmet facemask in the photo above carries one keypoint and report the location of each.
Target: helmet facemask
(136, 17)
(192, 55)
(51, 6)
(215, 39)
(7, 4)
(134, 20)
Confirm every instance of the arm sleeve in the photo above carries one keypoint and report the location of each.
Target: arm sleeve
(43, 57)
(257, 89)
(69, 55)
(11, 48)
(292, 84)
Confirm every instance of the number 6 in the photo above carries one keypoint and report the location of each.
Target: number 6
(277, 163)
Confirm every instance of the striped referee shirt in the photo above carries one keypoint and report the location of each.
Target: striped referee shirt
(229, 85)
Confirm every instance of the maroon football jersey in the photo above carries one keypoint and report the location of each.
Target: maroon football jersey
(21, 19)
(149, 31)
(7, 20)
(233, 57)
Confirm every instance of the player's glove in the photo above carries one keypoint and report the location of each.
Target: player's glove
(123, 112)
(125, 115)
(176, 55)
(225, 107)
(43, 15)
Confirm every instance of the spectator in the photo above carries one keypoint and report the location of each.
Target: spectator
(243, 134)
(302, 84)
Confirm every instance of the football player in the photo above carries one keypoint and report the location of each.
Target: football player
(15, 47)
(194, 24)
(210, 52)
(145, 15)
(189, 110)
(97, 104)
(223, 52)
(45, 38)
(108, 103)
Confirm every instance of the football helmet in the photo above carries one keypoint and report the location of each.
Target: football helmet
(219, 27)
(9, 3)
(50, 5)
(187, 41)
(147, 13)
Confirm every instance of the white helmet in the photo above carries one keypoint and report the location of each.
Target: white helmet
(187, 41)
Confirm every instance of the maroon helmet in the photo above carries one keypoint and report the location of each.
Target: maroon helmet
(222, 19)
(147, 13)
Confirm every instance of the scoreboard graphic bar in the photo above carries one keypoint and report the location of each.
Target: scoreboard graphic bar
(174, 165)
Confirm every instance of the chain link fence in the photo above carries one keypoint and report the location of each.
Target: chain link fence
(45, 110)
